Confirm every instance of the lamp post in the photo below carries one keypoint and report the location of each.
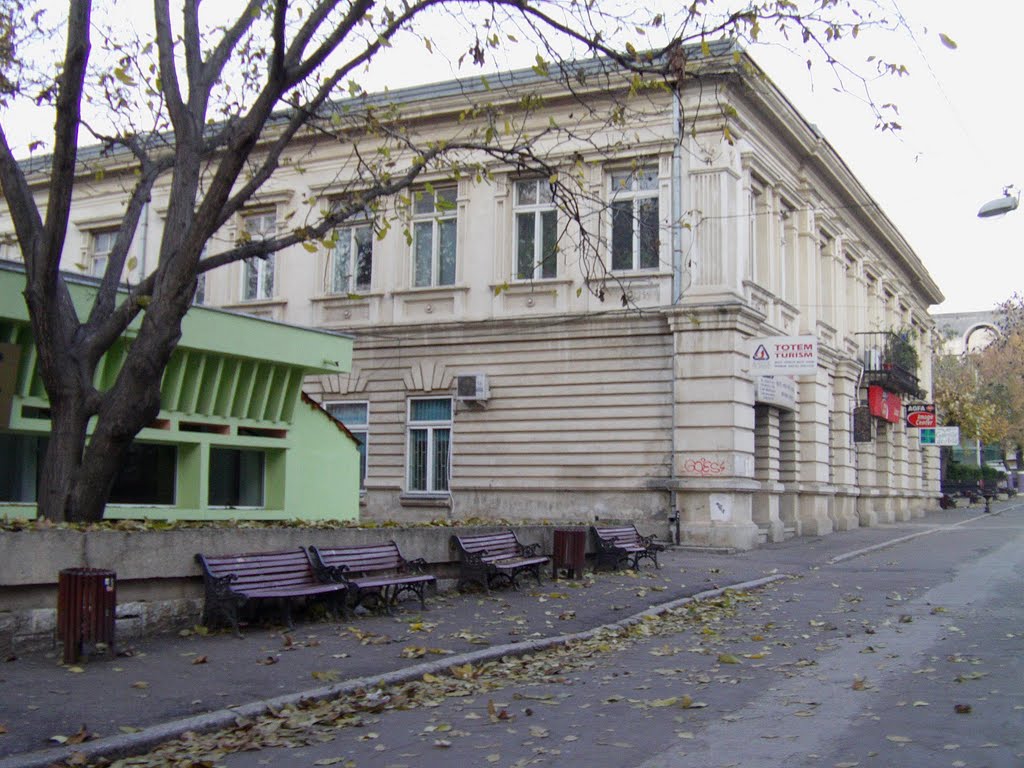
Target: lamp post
(1001, 205)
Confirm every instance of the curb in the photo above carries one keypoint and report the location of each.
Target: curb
(124, 745)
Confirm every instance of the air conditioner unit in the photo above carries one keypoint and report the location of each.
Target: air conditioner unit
(872, 360)
(471, 387)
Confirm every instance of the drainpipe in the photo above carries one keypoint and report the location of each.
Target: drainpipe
(677, 279)
(144, 237)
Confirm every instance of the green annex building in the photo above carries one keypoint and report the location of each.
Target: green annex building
(236, 436)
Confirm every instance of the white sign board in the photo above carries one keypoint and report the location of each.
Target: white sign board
(941, 436)
(783, 355)
(779, 391)
(720, 507)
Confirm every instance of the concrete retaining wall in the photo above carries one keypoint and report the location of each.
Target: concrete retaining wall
(159, 584)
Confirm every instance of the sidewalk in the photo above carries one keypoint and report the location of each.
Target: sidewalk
(148, 690)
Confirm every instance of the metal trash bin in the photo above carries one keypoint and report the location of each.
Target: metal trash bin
(569, 552)
(86, 608)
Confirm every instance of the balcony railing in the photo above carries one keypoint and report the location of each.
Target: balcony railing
(890, 361)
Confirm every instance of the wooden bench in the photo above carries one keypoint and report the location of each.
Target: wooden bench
(624, 544)
(372, 572)
(486, 557)
(232, 581)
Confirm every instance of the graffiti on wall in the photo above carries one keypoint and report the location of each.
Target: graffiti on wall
(704, 467)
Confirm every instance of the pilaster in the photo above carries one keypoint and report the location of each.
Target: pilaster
(844, 455)
(713, 415)
(814, 503)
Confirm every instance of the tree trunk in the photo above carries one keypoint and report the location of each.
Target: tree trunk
(63, 460)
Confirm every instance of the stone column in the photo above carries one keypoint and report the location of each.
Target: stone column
(766, 471)
(844, 455)
(901, 499)
(885, 507)
(915, 484)
(868, 500)
(789, 461)
(815, 490)
(713, 414)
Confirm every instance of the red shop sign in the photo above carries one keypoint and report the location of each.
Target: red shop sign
(884, 404)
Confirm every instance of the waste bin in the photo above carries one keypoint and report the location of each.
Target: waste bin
(86, 607)
(570, 552)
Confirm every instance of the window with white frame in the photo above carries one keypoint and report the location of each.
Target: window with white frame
(101, 245)
(430, 444)
(434, 226)
(634, 208)
(352, 259)
(536, 230)
(258, 273)
(355, 417)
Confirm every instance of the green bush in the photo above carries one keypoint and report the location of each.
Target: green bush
(969, 473)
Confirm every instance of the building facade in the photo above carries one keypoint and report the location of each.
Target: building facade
(235, 437)
(501, 372)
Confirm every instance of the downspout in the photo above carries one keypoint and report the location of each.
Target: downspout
(677, 283)
(145, 238)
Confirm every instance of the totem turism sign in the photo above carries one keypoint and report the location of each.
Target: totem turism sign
(783, 355)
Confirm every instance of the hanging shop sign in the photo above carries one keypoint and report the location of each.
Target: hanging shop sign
(779, 391)
(10, 354)
(884, 404)
(783, 355)
(863, 425)
(921, 415)
(941, 436)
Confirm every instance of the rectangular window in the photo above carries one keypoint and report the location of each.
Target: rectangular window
(430, 445)
(147, 475)
(352, 260)
(355, 417)
(258, 273)
(101, 244)
(236, 477)
(635, 219)
(21, 461)
(433, 231)
(536, 230)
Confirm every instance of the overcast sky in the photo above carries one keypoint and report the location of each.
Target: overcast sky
(962, 115)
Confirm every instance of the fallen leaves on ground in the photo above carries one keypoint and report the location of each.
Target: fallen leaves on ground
(79, 737)
(310, 722)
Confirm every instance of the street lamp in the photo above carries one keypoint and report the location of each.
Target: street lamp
(1001, 205)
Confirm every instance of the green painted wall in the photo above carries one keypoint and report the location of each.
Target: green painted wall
(329, 467)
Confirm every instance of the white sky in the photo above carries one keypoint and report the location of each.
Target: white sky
(962, 114)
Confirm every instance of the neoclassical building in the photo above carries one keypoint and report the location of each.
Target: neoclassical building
(498, 373)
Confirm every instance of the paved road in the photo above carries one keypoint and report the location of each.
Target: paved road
(858, 660)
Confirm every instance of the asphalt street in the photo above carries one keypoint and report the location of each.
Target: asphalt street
(891, 646)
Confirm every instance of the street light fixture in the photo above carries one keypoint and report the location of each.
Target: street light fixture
(1001, 205)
